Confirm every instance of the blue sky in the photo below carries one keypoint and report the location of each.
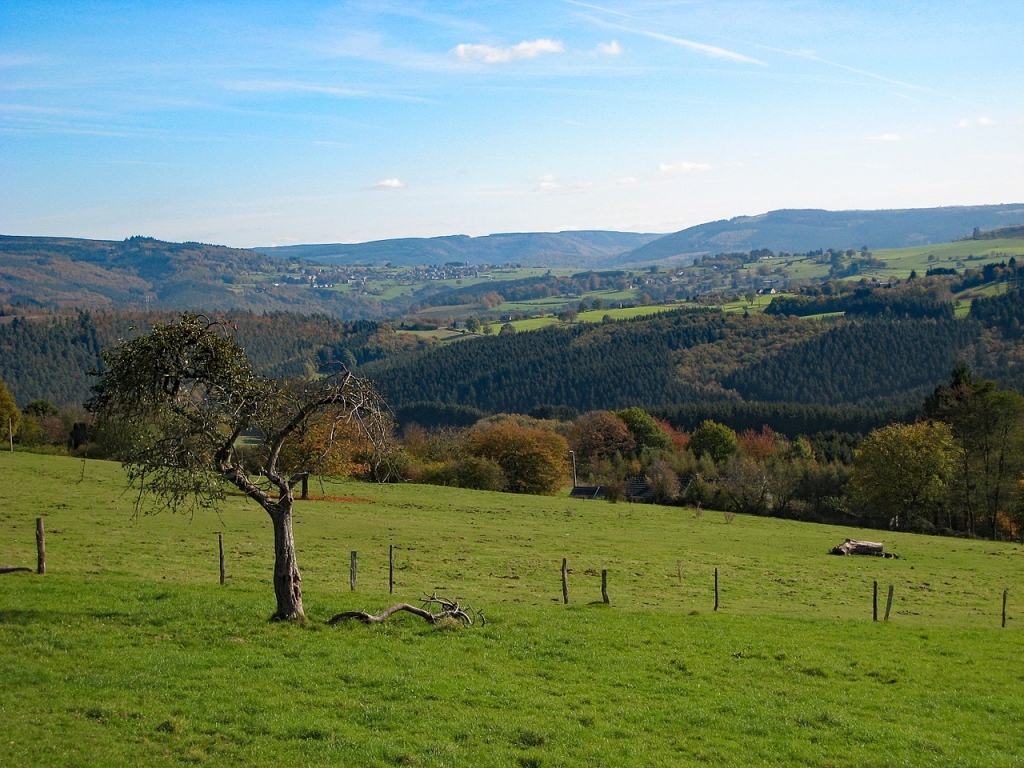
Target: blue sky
(301, 122)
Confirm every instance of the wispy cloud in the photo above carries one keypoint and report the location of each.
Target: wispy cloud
(417, 13)
(16, 60)
(681, 168)
(885, 137)
(548, 183)
(33, 109)
(142, 162)
(292, 86)
(286, 86)
(491, 54)
(982, 121)
(600, 8)
(389, 184)
(812, 56)
(691, 45)
(609, 49)
(708, 50)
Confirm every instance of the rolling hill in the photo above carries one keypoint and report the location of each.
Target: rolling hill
(581, 249)
(799, 231)
(143, 273)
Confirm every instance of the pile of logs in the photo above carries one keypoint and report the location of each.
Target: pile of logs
(852, 547)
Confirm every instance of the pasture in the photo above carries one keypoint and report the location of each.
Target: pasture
(128, 649)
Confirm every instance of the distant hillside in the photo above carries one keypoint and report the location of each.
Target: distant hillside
(60, 273)
(886, 359)
(690, 356)
(799, 231)
(541, 249)
(68, 272)
(1003, 233)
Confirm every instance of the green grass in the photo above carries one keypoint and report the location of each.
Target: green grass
(595, 316)
(760, 302)
(128, 651)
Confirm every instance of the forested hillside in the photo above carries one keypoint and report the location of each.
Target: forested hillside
(870, 363)
(703, 357)
(666, 361)
(143, 273)
(50, 358)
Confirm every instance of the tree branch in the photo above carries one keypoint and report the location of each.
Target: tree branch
(449, 610)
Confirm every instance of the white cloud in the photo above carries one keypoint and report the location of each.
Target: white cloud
(984, 121)
(389, 184)
(609, 49)
(491, 54)
(626, 181)
(968, 122)
(885, 137)
(548, 183)
(675, 169)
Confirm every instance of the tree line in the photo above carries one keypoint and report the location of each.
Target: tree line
(956, 466)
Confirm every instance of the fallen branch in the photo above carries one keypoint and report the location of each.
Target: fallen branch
(853, 547)
(449, 610)
(14, 568)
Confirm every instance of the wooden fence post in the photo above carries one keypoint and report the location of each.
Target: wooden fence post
(565, 581)
(352, 571)
(391, 569)
(604, 586)
(1005, 591)
(220, 546)
(888, 603)
(874, 602)
(716, 589)
(40, 547)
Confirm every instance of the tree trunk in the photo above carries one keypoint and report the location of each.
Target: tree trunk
(287, 581)
(852, 547)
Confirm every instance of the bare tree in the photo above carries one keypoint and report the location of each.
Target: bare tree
(175, 404)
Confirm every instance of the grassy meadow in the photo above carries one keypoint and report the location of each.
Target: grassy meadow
(128, 649)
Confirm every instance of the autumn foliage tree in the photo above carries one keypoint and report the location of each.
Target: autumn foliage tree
(10, 416)
(329, 444)
(532, 459)
(174, 404)
(903, 471)
(599, 435)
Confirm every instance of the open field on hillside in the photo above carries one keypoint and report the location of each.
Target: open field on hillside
(128, 650)
(901, 261)
(982, 252)
(760, 302)
(534, 323)
(595, 316)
